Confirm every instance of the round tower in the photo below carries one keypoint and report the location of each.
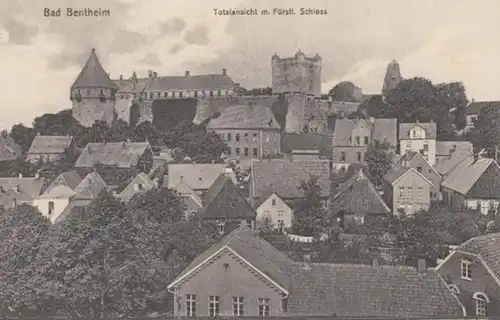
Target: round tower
(93, 93)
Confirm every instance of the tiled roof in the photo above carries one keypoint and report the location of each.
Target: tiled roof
(122, 154)
(131, 85)
(224, 201)
(465, 175)
(398, 172)
(475, 107)
(50, 144)
(192, 82)
(352, 290)
(264, 197)
(58, 192)
(192, 202)
(445, 165)
(383, 130)
(285, 176)
(90, 187)
(196, 176)
(307, 141)
(142, 178)
(245, 116)
(93, 75)
(9, 149)
(488, 247)
(359, 195)
(444, 148)
(70, 179)
(22, 189)
(429, 127)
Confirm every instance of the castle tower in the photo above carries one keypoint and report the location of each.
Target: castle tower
(93, 93)
(392, 78)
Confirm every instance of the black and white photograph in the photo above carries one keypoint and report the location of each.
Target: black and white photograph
(249, 159)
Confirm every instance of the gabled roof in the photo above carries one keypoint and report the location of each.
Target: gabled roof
(429, 127)
(266, 259)
(192, 202)
(22, 189)
(382, 130)
(394, 175)
(224, 200)
(128, 192)
(58, 192)
(264, 198)
(466, 174)
(285, 176)
(123, 154)
(446, 164)
(195, 175)
(131, 85)
(9, 149)
(93, 75)
(90, 187)
(192, 82)
(445, 148)
(245, 116)
(475, 107)
(359, 195)
(50, 144)
(408, 157)
(307, 141)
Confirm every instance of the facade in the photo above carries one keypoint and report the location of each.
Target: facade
(407, 191)
(141, 183)
(53, 202)
(472, 272)
(298, 74)
(16, 191)
(419, 137)
(392, 78)
(474, 108)
(250, 131)
(473, 184)
(50, 148)
(352, 137)
(307, 144)
(244, 275)
(273, 210)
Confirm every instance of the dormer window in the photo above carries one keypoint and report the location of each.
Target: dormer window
(466, 269)
(220, 226)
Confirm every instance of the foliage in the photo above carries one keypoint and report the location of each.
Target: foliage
(486, 131)
(346, 91)
(310, 216)
(267, 91)
(22, 135)
(206, 149)
(379, 160)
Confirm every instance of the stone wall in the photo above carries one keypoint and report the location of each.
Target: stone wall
(88, 110)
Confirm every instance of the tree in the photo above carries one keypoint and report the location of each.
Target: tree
(207, 148)
(309, 218)
(346, 91)
(486, 132)
(22, 135)
(379, 159)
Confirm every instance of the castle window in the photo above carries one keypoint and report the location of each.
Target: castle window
(246, 151)
(254, 137)
(180, 94)
(359, 156)
(366, 140)
(245, 136)
(211, 93)
(237, 137)
(237, 151)
(218, 93)
(342, 156)
(88, 91)
(254, 152)
(150, 95)
(229, 136)
(101, 92)
(165, 94)
(196, 93)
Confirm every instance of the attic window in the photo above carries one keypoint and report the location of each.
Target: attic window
(233, 205)
(225, 266)
(393, 78)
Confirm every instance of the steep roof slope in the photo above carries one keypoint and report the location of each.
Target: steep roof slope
(93, 75)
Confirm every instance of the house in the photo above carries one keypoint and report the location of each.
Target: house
(407, 191)
(9, 149)
(306, 145)
(116, 161)
(416, 160)
(244, 275)
(473, 109)
(445, 165)
(250, 131)
(224, 205)
(419, 137)
(272, 209)
(53, 202)
(473, 273)
(285, 177)
(474, 184)
(69, 179)
(197, 177)
(140, 183)
(15, 191)
(50, 148)
(445, 149)
(357, 200)
(351, 138)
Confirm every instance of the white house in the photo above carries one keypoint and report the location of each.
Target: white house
(52, 203)
(419, 137)
(273, 209)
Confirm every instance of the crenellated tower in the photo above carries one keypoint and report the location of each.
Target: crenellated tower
(297, 74)
(93, 93)
(392, 78)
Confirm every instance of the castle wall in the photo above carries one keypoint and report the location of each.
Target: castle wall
(87, 111)
(122, 109)
(296, 75)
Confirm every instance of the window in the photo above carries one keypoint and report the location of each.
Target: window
(229, 151)
(357, 141)
(267, 137)
(342, 156)
(408, 145)
(229, 137)
(410, 192)
(190, 305)
(263, 307)
(419, 169)
(366, 141)
(51, 207)
(214, 306)
(281, 213)
(245, 137)
(237, 137)
(237, 151)
(237, 306)
(140, 187)
(485, 206)
(280, 225)
(420, 192)
(401, 192)
(273, 202)
(466, 268)
(254, 137)
(481, 301)
(254, 152)
(359, 218)
(220, 226)
(426, 147)
(359, 156)
(246, 151)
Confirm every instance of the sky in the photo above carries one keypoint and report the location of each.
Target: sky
(444, 41)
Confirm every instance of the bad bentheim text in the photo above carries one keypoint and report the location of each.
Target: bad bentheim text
(76, 12)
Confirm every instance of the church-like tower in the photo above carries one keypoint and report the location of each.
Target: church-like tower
(93, 93)
(392, 78)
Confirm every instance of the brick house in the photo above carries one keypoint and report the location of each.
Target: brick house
(351, 138)
(474, 184)
(406, 190)
(50, 148)
(244, 275)
(473, 274)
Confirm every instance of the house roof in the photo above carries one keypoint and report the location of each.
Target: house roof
(488, 247)
(141, 178)
(224, 200)
(195, 175)
(122, 154)
(446, 164)
(408, 156)
(463, 177)
(22, 189)
(266, 195)
(90, 187)
(72, 206)
(192, 202)
(50, 144)
(359, 195)
(445, 148)
(245, 116)
(346, 108)
(475, 108)
(70, 179)
(58, 192)
(394, 175)
(285, 176)
(307, 141)
(131, 85)
(192, 82)
(93, 75)
(383, 129)
(429, 127)
(9, 149)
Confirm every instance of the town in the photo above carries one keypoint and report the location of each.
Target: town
(192, 196)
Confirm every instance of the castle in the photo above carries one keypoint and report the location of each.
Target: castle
(296, 98)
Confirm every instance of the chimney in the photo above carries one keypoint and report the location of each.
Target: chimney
(121, 77)
(421, 268)
(187, 73)
(375, 262)
(20, 176)
(224, 72)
